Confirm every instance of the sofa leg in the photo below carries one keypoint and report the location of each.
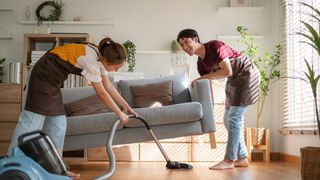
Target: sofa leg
(212, 138)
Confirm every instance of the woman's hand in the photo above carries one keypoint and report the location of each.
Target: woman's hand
(129, 110)
(123, 118)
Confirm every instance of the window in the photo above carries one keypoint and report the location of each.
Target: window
(298, 109)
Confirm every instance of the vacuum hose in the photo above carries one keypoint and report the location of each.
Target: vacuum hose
(112, 164)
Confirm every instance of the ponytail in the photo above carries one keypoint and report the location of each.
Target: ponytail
(113, 52)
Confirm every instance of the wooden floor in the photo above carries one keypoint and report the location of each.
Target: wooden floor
(157, 170)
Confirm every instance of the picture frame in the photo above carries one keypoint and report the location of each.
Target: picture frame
(240, 3)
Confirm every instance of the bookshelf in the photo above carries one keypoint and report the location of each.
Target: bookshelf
(240, 9)
(36, 44)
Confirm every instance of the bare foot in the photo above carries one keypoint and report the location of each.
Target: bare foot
(241, 163)
(73, 175)
(225, 164)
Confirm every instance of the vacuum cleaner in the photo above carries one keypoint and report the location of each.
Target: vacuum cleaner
(38, 159)
(34, 159)
(170, 164)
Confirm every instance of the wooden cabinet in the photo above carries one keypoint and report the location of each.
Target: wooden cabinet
(10, 108)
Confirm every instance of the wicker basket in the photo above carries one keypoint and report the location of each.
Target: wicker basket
(310, 163)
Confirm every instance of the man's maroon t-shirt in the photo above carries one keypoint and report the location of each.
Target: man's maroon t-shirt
(215, 52)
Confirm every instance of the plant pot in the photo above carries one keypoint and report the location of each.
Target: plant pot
(258, 136)
(310, 163)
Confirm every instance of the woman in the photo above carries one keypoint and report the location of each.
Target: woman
(217, 60)
(44, 106)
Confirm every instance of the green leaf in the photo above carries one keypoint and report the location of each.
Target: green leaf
(314, 33)
(314, 9)
(2, 60)
(315, 17)
(131, 51)
(316, 80)
(306, 35)
(312, 45)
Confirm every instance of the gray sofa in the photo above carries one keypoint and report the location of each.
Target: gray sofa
(191, 114)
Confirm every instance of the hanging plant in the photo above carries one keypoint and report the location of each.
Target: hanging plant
(175, 46)
(55, 13)
(131, 51)
(178, 55)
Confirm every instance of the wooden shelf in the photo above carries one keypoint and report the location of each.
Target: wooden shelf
(5, 36)
(52, 36)
(6, 9)
(154, 52)
(107, 22)
(221, 37)
(240, 9)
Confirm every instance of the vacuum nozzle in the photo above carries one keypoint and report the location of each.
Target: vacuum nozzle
(177, 165)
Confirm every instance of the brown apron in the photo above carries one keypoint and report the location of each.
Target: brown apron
(46, 79)
(242, 87)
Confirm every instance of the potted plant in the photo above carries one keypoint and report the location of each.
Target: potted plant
(131, 51)
(310, 156)
(268, 65)
(1, 69)
(56, 10)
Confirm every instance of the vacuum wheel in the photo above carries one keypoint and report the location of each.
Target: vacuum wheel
(14, 175)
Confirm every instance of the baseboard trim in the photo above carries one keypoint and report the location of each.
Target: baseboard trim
(277, 156)
(289, 158)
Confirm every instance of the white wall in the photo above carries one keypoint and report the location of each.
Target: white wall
(152, 25)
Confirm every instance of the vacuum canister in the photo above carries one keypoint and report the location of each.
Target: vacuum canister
(42, 150)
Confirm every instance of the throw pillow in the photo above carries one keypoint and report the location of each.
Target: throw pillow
(150, 95)
(89, 105)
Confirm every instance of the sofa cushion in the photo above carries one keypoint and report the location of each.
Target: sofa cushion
(89, 105)
(172, 114)
(73, 94)
(180, 92)
(97, 123)
(150, 95)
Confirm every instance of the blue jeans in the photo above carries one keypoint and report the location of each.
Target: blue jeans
(233, 119)
(54, 126)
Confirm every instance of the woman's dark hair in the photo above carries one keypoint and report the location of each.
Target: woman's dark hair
(113, 52)
(188, 33)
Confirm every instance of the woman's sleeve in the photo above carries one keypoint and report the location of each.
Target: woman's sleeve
(91, 71)
(103, 71)
(91, 67)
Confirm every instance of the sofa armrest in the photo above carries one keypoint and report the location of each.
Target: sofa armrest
(201, 92)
